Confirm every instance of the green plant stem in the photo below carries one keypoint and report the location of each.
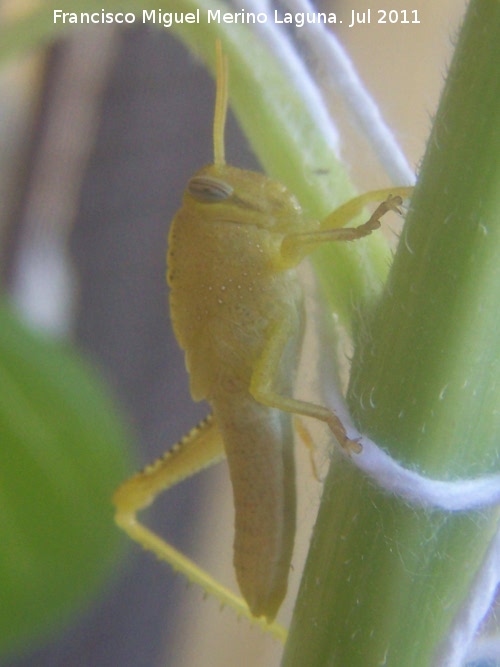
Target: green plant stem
(384, 580)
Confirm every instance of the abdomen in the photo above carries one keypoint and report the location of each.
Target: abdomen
(259, 445)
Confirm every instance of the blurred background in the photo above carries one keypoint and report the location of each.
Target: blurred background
(99, 133)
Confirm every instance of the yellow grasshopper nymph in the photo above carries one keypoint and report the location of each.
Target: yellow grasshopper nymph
(237, 310)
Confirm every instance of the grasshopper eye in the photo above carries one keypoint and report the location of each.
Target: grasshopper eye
(208, 190)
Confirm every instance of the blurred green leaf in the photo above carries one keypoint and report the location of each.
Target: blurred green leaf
(62, 451)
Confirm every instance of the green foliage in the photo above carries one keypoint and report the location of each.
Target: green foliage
(383, 580)
(63, 453)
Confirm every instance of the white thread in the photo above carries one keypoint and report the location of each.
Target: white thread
(458, 496)
(453, 650)
(338, 72)
(293, 66)
(485, 649)
(453, 496)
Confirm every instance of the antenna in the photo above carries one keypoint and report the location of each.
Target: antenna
(221, 98)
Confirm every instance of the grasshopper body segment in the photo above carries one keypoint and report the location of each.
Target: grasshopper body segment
(229, 288)
(237, 311)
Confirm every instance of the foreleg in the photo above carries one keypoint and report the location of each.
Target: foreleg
(296, 246)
